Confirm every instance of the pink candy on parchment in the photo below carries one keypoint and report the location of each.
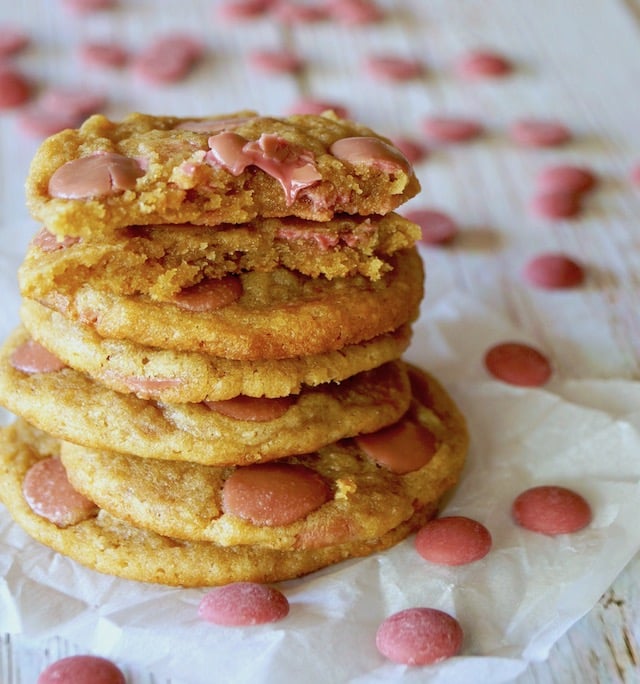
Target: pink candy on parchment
(553, 271)
(551, 510)
(453, 540)
(518, 364)
(82, 669)
(419, 636)
(243, 604)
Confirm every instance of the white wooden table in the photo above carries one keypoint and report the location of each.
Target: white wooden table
(576, 60)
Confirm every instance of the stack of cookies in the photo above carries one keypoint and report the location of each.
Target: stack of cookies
(208, 376)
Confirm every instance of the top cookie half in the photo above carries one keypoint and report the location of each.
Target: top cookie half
(147, 170)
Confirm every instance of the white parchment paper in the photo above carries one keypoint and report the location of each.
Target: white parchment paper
(513, 604)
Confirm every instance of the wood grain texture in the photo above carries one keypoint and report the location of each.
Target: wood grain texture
(575, 60)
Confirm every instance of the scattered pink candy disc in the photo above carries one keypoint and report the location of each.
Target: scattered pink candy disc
(437, 227)
(309, 105)
(453, 540)
(553, 271)
(393, 67)
(12, 40)
(551, 510)
(413, 150)
(556, 205)
(634, 175)
(82, 669)
(15, 89)
(480, 64)
(518, 364)
(450, 129)
(566, 178)
(105, 55)
(539, 133)
(275, 61)
(242, 604)
(419, 636)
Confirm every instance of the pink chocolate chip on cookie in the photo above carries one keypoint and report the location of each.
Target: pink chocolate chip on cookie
(371, 151)
(419, 636)
(255, 409)
(50, 495)
(31, 357)
(402, 448)
(518, 364)
(551, 510)
(242, 604)
(210, 295)
(97, 175)
(274, 494)
(453, 540)
(82, 669)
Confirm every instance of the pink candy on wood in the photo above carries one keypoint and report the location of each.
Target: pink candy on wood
(31, 357)
(168, 58)
(413, 150)
(450, 129)
(86, 6)
(539, 133)
(419, 636)
(15, 89)
(402, 448)
(243, 604)
(82, 669)
(255, 409)
(453, 540)
(482, 64)
(273, 494)
(567, 178)
(552, 510)
(50, 495)
(12, 40)
(314, 106)
(276, 61)
(210, 295)
(393, 67)
(518, 364)
(97, 175)
(108, 55)
(437, 227)
(556, 205)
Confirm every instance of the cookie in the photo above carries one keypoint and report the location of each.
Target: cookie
(160, 261)
(147, 170)
(115, 547)
(336, 495)
(70, 406)
(257, 316)
(177, 377)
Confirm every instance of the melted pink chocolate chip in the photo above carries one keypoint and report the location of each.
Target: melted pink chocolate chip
(97, 175)
(371, 151)
(273, 494)
(82, 669)
(243, 603)
(147, 388)
(551, 510)
(419, 636)
(402, 448)
(50, 495)
(453, 540)
(256, 409)
(48, 242)
(31, 357)
(210, 295)
(293, 167)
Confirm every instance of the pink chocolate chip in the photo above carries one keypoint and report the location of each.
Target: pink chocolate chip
(274, 494)
(413, 150)
(82, 669)
(453, 540)
(210, 295)
(31, 357)
(48, 242)
(12, 40)
(419, 636)
(290, 12)
(393, 68)
(255, 409)
(97, 175)
(371, 151)
(634, 175)
(553, 271)
(451, 129)
(72, 101)
(50, 495)
(481, 64)
(313, 106)
(293, 167)
(243, 604)
(168, 58)
(539, 133)
(551, 510)
(15, 89)
(275, 61)
(518, 364)
(243, 9)
(566, 178)
(87, 6)
(40, 123)
(556, 205)
(437, 227)
(403, 447)
(105, 55)
(354, 12)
